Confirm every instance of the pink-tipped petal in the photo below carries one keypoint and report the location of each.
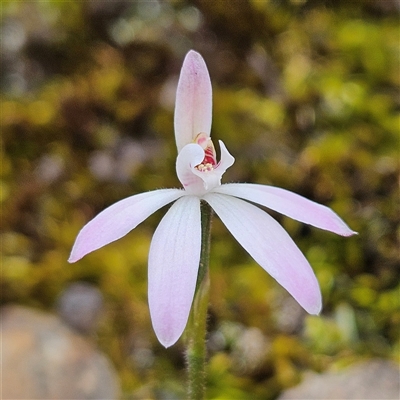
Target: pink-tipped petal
(173, 266)
(271, 247)
(193, 104)
(289, 204)
(117, 220)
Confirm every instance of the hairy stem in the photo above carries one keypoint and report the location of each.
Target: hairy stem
(197, 325)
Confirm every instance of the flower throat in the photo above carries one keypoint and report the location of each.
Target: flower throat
(210, 159)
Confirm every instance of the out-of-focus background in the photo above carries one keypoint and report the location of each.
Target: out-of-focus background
(306, 97)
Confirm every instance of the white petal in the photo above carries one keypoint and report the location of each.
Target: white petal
(117, 220)
(193, 104)
(173, 266)
(190, 156)
(270, 246)
(290, 204)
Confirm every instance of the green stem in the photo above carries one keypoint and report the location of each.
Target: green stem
(197, 324)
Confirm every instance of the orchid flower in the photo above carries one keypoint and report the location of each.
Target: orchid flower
(174, 254)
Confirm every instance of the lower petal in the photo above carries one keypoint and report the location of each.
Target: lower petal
(270, 246)
(173, 266)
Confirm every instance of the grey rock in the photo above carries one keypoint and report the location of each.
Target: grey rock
(42, 358)
(374, 379)
(289, 315)
(80, 306)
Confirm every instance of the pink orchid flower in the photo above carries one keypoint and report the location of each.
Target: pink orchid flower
(175, 247)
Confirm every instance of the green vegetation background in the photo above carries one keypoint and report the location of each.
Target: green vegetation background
(306, 97)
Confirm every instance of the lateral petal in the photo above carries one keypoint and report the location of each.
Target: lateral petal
(117, 220)
(193, 104)
(271, 247)
(289, 204)
(173, 266)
